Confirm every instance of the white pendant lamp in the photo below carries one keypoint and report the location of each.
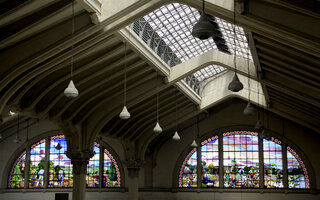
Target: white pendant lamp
(157, 129)
(71, 91)
(235, 85)
(125, 113)
(176, 136)
(194, 144)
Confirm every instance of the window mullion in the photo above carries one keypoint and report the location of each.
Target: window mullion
(46, 168)
(284, 164)
(199, 166)
(27, 170)
(221, 168)
(101, 167)
(261, 162)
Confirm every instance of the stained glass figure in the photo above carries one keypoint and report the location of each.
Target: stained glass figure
(60, 168)
(241, 159)
(210, 163)
(298, 176)
(16, 176)
(188, 171)
(37, 164)
(273, 168)
(93, 177)
(111, 172)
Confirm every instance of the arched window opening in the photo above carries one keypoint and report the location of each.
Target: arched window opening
(298, 176)
(16, 176)
(210, 163)
(244, 157)
(60, 167)
(188, 171)
(102, 170)
(273, 167)
(37, 164)
(241, 160)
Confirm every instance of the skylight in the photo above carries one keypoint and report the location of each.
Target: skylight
(172, 24)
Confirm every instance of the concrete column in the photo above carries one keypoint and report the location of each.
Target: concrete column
(133, 182)
(79, 180)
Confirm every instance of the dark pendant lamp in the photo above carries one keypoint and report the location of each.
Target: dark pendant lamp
(235, 85)
(249, 110)
(203, 29)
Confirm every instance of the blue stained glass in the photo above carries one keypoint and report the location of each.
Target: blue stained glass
(296, 177)
(188, 172)
(37, 164)
(93, 175)
(210, 163)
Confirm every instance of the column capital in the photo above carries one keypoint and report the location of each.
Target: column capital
(133, 167)
(79, 160)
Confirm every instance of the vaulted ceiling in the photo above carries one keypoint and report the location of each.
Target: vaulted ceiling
(35, 54)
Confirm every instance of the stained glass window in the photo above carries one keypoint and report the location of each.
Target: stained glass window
(60, 168)
(273, 168)
(111, 172)
(188, 172)
(16, 176)
(93, 175)
(241, 159)
(298, 176)
(210, 163)
(37, 164)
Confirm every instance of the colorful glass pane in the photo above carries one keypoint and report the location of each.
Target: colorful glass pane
(210, 163)
(188, 171)
(241, 160)
(60, 168)
(16, 176)
(93, 177)
(37, 164)
(111, 172)
(272, 157)
(298, 176)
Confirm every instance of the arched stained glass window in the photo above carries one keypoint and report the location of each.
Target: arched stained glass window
(210, 163)
(16, 176)
(60, 168)
(273, 168)
(111, 172)
(241, 159)
(37, 164)
(298, 176)
(93, 168)
(188, 171)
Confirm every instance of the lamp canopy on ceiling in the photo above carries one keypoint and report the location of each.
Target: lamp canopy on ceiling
(203, 29)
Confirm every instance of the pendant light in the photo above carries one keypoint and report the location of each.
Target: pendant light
(203, 29)
(194, 143)
(157, 129)
(17, 140)
(71, 91)
(176, 135)
(125, 113)
(249, 110)
(235, 85)
(58, 147)
(259, 125)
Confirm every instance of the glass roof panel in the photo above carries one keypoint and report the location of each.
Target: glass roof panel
(173, 24)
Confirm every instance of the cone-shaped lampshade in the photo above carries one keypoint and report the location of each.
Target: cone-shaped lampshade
(71, 91)
(249, 110)
(194, 144)
(265, 134)
(203, 29)
(124, 113)
(258, 126)
(58, 147)
(17, 140)
(235, 85)
(176, 136)
(157, 128)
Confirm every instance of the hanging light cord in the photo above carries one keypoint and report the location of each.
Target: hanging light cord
(234, 36)
(125, 74)
(248, 70)
(18, 127)
(27, 130)
(72, 34)
(258, 99)
(157, 97)
(176, 110)
(203, 6)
